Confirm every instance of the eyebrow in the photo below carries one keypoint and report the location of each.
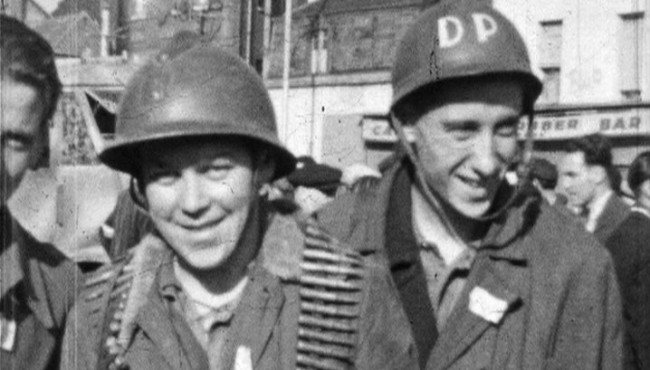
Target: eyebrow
(17, 135)
(510, 120)
(462, 124)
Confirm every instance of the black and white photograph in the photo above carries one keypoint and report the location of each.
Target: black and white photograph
(324, 184)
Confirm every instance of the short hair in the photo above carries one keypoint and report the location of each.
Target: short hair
(596, 148)
(639, 171)
(545, 172)
(28, 58)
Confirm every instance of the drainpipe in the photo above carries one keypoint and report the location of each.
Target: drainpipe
(285, 71)
(105, 29)
(645, 56)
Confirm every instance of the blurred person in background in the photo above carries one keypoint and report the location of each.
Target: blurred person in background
(314, 184)
(544, 177)
(629, 246)
(37, 282)
(587, 178)
(357, 177)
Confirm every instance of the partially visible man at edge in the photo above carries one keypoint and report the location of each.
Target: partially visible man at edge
(37, 282)
(629, 246)
(489, 277)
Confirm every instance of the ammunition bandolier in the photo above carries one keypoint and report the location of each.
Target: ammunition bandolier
(334, 297)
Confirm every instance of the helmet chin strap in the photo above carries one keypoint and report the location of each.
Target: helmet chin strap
(434, 199)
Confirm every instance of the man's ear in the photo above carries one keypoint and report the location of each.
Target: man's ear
(597, 174)
(265, 168)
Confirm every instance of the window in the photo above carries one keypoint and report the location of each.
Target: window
(550, 52)
(551, 80)
(630, 55)
(319, 48)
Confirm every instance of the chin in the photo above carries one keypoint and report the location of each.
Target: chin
(472, 210)
(205, 258)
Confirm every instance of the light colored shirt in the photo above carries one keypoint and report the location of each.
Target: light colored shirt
(446, 260)
(209, 315)
(596, 209)
(445, 283)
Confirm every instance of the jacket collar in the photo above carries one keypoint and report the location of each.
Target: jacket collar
(498, 241)
(20, 270)
(256, 314)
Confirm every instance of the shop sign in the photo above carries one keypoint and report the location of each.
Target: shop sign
(633, 122)
(377, 130)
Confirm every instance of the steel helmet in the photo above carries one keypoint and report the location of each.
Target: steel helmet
(461, 39)
(192, 88)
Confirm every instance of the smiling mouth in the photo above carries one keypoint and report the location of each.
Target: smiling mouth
(201, 226)
(476, 184)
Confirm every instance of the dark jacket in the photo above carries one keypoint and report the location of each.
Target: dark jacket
(265, 320)
(563, 305)
(37, 289)
(629, 246)
(614, 213)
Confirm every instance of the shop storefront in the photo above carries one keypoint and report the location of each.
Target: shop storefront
(628, 127)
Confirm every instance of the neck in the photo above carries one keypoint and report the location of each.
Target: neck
(431, 226)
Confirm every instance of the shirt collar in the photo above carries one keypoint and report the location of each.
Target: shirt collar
(641, 210)
(168, 285)
(597, 209)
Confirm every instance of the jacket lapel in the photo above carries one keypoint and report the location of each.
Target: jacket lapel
(464, 326)
(34, 284)
(255, 317)
(491, 275)
(154, 319)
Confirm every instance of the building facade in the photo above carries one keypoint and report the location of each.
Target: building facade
(591, 54)
(341, 55)
(594, 59)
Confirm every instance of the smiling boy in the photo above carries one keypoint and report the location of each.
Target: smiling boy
(225, 281)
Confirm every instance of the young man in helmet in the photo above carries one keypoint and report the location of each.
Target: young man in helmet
(37, 282)
(489, 278)
(224, 281)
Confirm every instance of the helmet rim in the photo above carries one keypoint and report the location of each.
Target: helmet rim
(120, 154)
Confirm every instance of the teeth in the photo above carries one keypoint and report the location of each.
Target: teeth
(473, 183)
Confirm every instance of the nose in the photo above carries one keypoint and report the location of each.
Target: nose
(193, 197)
(486, 158)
